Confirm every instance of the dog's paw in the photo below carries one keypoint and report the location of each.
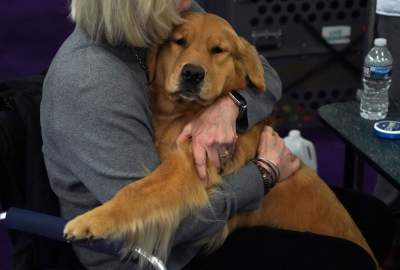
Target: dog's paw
(92, 225)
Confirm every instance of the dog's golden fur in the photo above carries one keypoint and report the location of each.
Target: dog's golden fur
(147, 212)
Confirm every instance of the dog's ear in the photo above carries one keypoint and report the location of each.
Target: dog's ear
(250, 63)
(152, 63)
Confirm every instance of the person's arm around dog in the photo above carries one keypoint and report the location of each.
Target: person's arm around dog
(98, 136)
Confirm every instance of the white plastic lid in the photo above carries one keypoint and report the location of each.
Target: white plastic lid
(380, 42)
(294, 133)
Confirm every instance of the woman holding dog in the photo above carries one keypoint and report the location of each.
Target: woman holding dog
(98, 137)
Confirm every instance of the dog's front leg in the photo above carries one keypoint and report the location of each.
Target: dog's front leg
(147, 212)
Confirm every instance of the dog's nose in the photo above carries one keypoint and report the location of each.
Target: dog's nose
(192, 73)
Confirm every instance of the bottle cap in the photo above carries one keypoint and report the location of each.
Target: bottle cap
(387, 129)
(380, 42)
(294, 133)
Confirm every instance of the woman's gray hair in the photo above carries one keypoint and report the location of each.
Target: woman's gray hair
(139, 23)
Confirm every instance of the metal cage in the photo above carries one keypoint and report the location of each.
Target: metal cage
(317, 47)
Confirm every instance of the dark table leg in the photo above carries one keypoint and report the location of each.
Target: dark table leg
(348, 177)
(353, 169)
(359, 172)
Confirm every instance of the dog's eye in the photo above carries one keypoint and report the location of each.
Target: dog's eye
(181, 41)
(217, 50)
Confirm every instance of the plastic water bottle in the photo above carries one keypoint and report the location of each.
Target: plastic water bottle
(377, 77)
(301, 148)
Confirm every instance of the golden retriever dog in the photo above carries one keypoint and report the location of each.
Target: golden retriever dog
(147, 212)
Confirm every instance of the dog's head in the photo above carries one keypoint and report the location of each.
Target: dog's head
(203, 59)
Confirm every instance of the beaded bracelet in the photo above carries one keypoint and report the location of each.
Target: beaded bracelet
(268, 176)
(272, 166)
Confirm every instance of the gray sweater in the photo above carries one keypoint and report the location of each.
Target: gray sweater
(98, 137)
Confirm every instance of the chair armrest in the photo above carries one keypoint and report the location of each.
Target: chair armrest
(52, 227)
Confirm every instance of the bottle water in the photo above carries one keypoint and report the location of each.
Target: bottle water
(377, 77)
(301, 148)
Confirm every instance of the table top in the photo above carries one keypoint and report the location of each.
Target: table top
(383, 154)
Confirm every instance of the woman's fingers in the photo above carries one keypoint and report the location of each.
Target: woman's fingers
(269, 140)
(272, 147)
(212, 133)
(200, 160)
(185, 134)
(214, 157)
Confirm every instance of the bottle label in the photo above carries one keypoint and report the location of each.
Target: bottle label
(378, 73)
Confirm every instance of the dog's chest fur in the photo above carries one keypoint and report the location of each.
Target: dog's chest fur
(169, 118)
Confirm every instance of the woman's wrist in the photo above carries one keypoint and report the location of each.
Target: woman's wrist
(269, 173)
(240, 102)
(271, 167)
(231, 106)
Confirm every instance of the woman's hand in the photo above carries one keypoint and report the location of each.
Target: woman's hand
(213, 135)
(272, 147)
